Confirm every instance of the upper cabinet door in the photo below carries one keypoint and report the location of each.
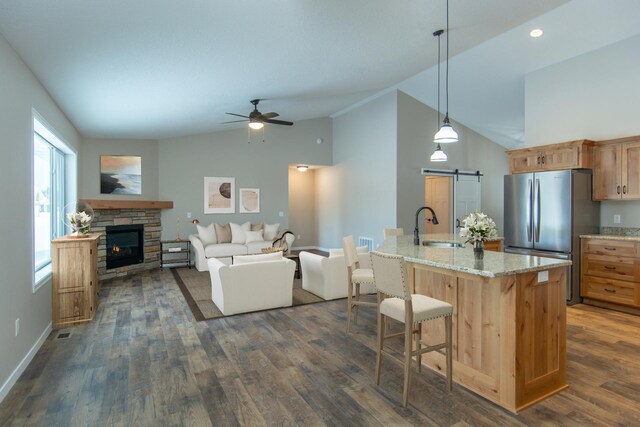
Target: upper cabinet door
(525, 161)
(607, 170)
(631, 170)
(561, 158)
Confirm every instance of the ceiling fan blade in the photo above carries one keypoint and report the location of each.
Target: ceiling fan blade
(278, 122)
(267, 116)
(234, 121)
(239, 115)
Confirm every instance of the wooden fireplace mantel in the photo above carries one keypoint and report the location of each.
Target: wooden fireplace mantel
(128, 204)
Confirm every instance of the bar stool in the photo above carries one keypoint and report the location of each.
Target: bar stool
(396, 301)
(388, 232)
(356, 276)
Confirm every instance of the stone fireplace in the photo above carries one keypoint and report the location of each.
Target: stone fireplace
(142, 213)
(124, 245)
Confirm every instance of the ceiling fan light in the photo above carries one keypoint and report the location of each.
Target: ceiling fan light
(446, 134)
(256, 125)
(302, 168)
(438, 155)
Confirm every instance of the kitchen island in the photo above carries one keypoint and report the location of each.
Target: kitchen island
(509, 318)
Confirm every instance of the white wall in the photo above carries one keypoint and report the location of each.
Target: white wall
(184, 162)
(89, 166)
(358, 194)
(593, 96)
(20, 92)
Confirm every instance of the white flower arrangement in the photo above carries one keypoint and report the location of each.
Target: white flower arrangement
(80, 222)
(478, 227)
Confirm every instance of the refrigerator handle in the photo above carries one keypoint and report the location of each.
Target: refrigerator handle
(529, 199)
(537, 217)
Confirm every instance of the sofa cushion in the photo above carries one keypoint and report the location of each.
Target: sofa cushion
(223, 233)
(237, 232)
(254, 236)
(224, 250)
(270, 231)
(256, 227)
(207, 234)
(256, 247)
(246, 259)
(340, 251)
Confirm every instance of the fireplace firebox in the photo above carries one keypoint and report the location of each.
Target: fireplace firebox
(125, 245)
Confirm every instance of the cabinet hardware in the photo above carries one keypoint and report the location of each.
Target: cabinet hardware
(538, 159)
(543, 160)
(608, 267)
(610, 290)
(610, 249)
(624, 189)
(618, 189)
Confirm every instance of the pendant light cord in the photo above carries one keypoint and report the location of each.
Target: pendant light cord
(447, 75)
(439, 34)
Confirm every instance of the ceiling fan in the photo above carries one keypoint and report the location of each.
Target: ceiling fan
(257, 120)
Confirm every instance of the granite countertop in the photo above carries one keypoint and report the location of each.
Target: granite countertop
(449, 237)
(494, 264)
(610, 237)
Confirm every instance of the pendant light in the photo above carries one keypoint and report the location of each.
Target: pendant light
(446, 134)
(438, 155)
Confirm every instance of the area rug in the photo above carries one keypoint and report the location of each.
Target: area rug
(196, 288)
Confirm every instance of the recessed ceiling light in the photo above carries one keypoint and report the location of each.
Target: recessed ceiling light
(536, 32)
(302, 168)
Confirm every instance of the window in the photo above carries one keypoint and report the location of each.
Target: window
(49, 161)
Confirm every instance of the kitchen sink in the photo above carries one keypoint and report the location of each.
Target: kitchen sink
(442, 244)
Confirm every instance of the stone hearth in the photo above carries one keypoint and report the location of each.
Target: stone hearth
(150, 218)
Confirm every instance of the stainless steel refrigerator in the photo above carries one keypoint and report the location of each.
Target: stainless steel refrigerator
(544, 215)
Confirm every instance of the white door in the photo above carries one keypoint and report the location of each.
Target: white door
(466, 190)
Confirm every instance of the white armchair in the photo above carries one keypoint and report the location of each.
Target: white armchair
(252, 286)
(327, 277)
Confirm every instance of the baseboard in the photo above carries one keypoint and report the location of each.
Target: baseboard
(13, 378)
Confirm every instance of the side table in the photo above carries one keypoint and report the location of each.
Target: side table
(175, 253)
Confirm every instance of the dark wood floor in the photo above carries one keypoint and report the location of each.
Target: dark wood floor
(145, 361)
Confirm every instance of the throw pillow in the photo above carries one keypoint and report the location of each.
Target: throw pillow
(340, 252)
(254, 236)
(256, 227)
(246, 259)
(270, 231)
(207, 234)
(237, 232)
(223, 233)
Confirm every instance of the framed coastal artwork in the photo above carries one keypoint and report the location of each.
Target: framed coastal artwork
(121, 175)
(249, 200)
(219, 195)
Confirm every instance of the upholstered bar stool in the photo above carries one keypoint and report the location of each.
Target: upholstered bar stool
(388, 232)
(356, 277)
(396, 301)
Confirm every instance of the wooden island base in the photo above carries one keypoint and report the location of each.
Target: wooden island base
(509, 332)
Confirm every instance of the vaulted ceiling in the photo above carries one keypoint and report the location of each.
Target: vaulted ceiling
(159, 68)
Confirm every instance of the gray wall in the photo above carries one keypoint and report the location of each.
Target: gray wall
(417, 124)
(184, 162)
(89, 166)
(358, 194)
(20, 92)
(594, 96)
(303, 221)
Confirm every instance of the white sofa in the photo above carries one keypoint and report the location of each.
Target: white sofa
(326, 277)
(226, 251)
(252, 286)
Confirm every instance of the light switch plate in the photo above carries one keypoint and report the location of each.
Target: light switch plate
(616, 219)
(543, 276)
(281, 213)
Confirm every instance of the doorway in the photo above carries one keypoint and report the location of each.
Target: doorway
(438, 194)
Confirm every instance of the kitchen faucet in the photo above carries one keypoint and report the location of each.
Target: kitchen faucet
(416, 231)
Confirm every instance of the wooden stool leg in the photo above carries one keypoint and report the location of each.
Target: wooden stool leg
(349, 304)
(419, 346)
(448, 325)
(407, 363)
(381, 323)
(357, 307)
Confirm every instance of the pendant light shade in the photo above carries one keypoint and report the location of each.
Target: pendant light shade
(438, 155)
(446, 134)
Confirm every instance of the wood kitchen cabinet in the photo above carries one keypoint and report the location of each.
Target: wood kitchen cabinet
(567, 155)
(616, 169)
(610, 273)
(75, 287)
